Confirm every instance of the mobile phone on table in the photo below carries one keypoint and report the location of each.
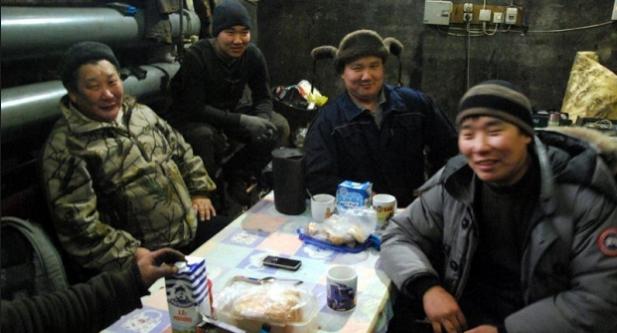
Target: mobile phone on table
(284, 263)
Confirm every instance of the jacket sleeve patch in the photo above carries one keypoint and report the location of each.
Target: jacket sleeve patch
(607, 242)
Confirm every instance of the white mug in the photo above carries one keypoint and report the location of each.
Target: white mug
(385, 206)
(342, 284)
(322, 206)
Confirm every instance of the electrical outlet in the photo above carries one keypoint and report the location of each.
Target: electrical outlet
(468, 7)
(485, 15)
(497, 17)
(467, 17)
(511, 15)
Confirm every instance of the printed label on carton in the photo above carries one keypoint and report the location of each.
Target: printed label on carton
(186, 291)
(353, 195)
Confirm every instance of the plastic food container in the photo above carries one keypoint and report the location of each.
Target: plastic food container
(248, 306)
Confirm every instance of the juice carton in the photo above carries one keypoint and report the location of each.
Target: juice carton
(187, 294)
(353, 195)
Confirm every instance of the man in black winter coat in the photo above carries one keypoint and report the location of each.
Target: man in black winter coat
(211, 107)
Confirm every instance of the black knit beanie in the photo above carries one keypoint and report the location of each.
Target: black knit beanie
(499, 99)
(82, 53)
(227, 14)
(357, 44)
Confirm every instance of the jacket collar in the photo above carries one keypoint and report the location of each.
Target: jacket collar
(393, 103)
(80, 124)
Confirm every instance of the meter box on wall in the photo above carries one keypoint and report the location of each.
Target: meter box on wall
(437, 12)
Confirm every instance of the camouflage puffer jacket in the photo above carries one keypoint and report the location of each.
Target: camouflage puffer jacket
(115, 186)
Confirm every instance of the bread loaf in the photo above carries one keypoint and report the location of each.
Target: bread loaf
(281, 306)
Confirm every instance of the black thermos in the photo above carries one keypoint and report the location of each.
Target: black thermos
(288, 180)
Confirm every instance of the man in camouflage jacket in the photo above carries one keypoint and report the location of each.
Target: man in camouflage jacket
(117, 177)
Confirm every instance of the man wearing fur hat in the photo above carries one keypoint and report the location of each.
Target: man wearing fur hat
(375, 132)
(120, 180)
(207, 106)
(516, 234)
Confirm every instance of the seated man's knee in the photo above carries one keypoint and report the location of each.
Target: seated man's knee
(202, 133)
(205, 143)
(282, 128)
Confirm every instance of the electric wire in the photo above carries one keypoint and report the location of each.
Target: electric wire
(480, 33)
(468, 54)
(571, 29)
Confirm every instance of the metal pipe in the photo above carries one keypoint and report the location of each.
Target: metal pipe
(191, 25)
(30, 31)
(34, 30)
(28, 107)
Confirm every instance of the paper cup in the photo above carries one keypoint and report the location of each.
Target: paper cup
(322, 206)
(385, 206)
(342, 284)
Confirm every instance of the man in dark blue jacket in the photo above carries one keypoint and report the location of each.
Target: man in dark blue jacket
(391, 136)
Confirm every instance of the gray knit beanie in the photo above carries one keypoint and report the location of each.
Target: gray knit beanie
(499, 99)
(228, 14)
(82, 53)
(357, 44)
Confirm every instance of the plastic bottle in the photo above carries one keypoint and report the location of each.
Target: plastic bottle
(553, 119)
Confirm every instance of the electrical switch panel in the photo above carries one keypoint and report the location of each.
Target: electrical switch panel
(511, 15)
(485, 15)
(437, 12)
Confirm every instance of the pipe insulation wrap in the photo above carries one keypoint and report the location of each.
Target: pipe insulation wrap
(36, 29)
(35, 104)
(191, 24)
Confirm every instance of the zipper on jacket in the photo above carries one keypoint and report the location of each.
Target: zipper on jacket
(468, 255)
(526, 270)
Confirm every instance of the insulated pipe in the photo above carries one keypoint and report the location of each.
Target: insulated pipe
(30, 31)
(191, 24)
(32, 106)
(34, 30)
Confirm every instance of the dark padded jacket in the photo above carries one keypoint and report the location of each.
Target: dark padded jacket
(86, 307)
(344, 143)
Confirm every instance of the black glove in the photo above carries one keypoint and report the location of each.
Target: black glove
(259, 128)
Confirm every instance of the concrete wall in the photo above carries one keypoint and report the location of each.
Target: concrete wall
(433, 61)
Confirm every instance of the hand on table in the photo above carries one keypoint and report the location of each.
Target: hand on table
(442, 310)
(156, 264)
(483, 329)
(203, 208)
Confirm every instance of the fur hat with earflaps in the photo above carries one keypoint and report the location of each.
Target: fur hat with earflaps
(358, 44)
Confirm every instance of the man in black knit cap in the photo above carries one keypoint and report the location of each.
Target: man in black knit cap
(119, 179)
(516, 234)
(209, 100)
